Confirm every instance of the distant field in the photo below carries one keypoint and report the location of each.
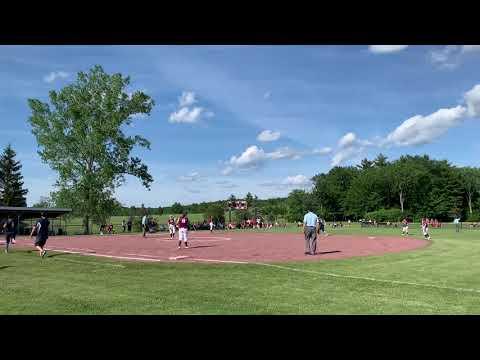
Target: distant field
(74, 225)
(443, 278)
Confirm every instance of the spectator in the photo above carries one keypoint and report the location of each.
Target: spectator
(124, 225)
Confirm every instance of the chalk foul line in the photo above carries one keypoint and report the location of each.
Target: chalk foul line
(398, 282)
(387, 281)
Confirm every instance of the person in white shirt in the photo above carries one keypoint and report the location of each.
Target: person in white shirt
(144, 224)
(310, 226)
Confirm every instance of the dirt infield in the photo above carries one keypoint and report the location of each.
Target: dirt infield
(226, 246)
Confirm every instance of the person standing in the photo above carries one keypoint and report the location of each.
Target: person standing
(321, 225)
(41, 228)
(456, 221)
(171, 227)
(183, 230)
(144, 224)
(211, 224)
(124, 225)
(9, 227)
(404, 227)
(425, 231)
(310, 224)
(129, 224)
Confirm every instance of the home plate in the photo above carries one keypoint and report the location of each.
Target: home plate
(177, 257)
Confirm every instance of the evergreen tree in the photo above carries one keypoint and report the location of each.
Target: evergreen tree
(12, 192)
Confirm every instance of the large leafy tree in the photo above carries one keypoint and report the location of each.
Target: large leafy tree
(12, 192)
(216, 212)
(404, 177)
(81, 135)
(470, 180)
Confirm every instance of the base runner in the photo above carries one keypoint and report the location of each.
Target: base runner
(171, 227)
(183, 230)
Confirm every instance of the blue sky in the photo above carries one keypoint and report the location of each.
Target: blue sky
(265, 119)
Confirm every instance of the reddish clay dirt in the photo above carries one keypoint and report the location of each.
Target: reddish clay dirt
(226, 246)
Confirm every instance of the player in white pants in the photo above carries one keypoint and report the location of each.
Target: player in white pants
(183, 230)
(171, 227)
(211, 225)
(405, 227)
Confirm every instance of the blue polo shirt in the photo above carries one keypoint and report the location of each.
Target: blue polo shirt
(310, 219)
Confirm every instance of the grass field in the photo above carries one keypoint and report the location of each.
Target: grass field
(443, 278)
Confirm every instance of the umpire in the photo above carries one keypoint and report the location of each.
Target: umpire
(310, 223)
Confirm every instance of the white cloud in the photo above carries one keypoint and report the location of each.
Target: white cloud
(472, 99)
(349, 147)
(297, 180)
(447, 57)
(54, 75)
(140, 116)
(344, 155)
(290, 182)
(420, 129)
(347, 140)
(284, 153)
(386, 49)
(254, 157)
(267, 95)
(268, 135)
(450, 56)
(322, 151)
(470, 48)
(186, 113)
(186, 99)
(225, 184)
(193, 176)
(227, 171)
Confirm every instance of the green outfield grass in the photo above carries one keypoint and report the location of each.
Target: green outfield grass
(432, 280)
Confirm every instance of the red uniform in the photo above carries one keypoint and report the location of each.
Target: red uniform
(183, 223)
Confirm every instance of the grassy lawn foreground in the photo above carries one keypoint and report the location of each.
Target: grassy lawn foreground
(72, 284)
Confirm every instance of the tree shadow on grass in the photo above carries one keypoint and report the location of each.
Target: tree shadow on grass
(5, 267)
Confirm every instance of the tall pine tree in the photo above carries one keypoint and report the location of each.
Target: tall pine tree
(11, 191)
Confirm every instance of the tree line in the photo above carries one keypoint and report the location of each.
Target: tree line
(411, 186)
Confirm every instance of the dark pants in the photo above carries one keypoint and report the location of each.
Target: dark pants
(40, 241)
(8, 238)
(310, 240)
(145, 227)
(458, 227)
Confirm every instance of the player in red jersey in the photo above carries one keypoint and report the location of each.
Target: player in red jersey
(171, 227)
(183, 230)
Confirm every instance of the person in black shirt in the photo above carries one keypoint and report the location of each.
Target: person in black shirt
(42, 234)
(9, 227)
